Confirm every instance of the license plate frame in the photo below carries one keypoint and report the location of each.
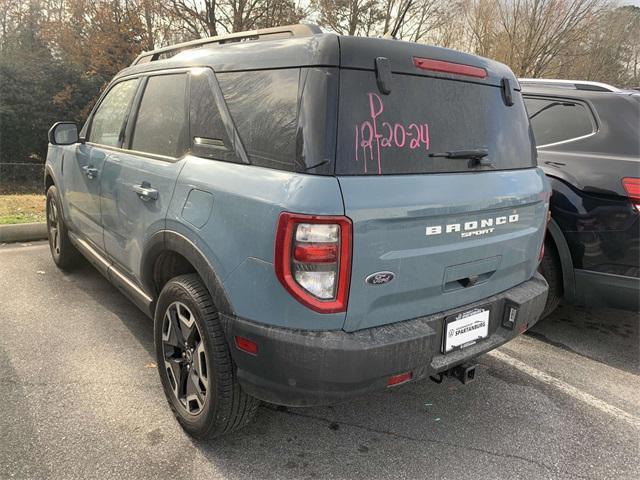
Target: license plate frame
(477, 317)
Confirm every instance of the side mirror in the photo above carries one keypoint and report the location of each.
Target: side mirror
(63, 133)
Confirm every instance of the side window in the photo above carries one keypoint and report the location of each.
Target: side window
(209, 137)
(108, 120)
(264, 107)
(556, 120)
(161, 123)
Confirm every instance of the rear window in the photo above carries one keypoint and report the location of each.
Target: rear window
(395, 134)
(556, 120)
(209, 137)
(264, 107)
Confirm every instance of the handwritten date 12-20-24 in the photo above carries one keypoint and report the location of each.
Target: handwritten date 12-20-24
(373, 136)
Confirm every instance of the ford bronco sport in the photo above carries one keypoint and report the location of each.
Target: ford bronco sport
(307, 217)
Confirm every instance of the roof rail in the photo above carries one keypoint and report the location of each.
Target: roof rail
(300, 30)
(573, 84)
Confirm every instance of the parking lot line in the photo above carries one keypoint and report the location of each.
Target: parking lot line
(566, 388)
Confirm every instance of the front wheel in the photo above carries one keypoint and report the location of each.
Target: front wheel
(64, 254)
(194, 362)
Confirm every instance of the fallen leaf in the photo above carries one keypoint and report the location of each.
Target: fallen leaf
(150, 365)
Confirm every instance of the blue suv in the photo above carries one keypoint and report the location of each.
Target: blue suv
(307, 217)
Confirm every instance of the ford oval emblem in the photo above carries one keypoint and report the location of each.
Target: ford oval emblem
(380, 278)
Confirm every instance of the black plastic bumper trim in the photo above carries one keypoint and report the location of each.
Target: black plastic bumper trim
(304, 368)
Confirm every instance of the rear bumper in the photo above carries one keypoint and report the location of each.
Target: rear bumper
(304, 368)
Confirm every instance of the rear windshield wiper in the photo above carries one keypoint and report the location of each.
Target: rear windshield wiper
(476, 154)
(551, 105)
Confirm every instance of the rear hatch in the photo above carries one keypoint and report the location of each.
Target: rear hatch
(451, 231)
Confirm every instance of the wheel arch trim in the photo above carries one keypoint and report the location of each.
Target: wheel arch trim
(48, 172)
(170, 241)
(566, 263)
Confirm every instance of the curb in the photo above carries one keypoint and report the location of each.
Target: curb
(23, 232)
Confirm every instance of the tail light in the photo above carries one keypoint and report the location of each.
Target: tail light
(449, 67)
(632, 187)
(313, 259)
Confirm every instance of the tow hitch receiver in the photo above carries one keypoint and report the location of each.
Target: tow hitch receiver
(465, 373)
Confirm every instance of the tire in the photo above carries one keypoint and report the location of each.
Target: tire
(551, 270)
(64, 254)
(205, 397)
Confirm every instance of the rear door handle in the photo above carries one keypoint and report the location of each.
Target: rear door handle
(90, 172)
(145, 192)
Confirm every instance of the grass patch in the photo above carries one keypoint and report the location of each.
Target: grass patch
(26, 208)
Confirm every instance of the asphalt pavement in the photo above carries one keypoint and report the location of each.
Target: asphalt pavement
(80, 397)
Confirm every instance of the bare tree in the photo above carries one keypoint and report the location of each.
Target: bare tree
(273, 13)
(8, 12)
(198, 17)
(609, 53)
(580, 38)
(482, 27)
(426, 17)
(349, 17)
(239, 15)
(529, 34)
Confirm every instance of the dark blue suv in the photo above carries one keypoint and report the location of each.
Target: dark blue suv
(588, 137)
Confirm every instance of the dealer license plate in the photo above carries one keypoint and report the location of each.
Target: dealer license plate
(466, 328)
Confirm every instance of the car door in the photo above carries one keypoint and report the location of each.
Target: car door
(82, 174)
(139, 178)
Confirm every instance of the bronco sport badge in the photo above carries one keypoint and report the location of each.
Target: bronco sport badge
(473, 227)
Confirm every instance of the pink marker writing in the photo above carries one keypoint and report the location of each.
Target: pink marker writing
(373, 136)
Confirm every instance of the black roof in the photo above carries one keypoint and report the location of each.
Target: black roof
(328, 50)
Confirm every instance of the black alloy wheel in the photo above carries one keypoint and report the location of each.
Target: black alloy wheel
(63, 252)
(53, 225)
(184, 357)
(194, 360)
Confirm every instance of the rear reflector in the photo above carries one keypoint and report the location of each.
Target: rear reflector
(632, 187)
(449, 67)
(246, 345)
(398, 379)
